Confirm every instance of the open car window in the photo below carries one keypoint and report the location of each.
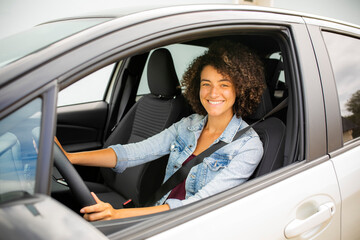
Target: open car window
(19, 138)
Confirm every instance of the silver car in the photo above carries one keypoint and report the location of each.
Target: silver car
(85, 80)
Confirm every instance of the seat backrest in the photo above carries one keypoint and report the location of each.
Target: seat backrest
(150, 115)
(272, 134)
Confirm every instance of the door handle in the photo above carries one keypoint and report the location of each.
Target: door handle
(299, 226)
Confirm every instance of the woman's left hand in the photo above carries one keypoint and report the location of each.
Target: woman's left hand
(99, 211)
(104, 211)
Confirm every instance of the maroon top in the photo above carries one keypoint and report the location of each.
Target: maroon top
(179, 191)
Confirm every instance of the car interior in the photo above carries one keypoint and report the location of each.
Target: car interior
(131, 117)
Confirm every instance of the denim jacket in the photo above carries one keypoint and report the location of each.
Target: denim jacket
(228, 167)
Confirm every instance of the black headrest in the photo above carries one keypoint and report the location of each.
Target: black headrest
(273, 68)
(264, 107)
(162, 78)
(270, 65)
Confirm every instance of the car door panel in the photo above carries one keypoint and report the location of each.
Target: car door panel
(80, 127)
(269, 212)
(347, 166)
(340, 81)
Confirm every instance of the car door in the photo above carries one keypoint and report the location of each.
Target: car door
(339, 47)
(294, 208)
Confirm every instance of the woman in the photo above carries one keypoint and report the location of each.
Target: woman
(223, 85)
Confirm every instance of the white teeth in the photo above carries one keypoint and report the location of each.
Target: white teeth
(215, 102)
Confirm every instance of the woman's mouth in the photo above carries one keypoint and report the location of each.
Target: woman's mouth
(215, 102)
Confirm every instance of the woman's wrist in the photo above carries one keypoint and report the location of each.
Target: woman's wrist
(71, 158)
(134, 212)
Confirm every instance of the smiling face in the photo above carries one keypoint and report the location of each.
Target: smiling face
(217, 93)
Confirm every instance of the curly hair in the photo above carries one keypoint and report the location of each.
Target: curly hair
(236, 61)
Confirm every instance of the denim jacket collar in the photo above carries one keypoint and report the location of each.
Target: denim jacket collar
(227, 136)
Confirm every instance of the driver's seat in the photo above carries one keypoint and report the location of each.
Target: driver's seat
(150, 115)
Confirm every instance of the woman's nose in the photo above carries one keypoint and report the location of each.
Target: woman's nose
(214, 92)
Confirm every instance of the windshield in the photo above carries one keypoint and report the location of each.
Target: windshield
(22, 44)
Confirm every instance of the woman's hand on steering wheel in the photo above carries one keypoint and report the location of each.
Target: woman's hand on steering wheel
(72, 177)
(68, 155)
(99, 211)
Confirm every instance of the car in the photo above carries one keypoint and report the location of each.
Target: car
(84, 79)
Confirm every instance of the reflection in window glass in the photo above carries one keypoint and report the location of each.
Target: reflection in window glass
(14, 47)
(344, 54)
(19, 138)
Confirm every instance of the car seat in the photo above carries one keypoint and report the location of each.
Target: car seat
(150, 115)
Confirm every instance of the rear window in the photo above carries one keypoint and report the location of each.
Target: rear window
(344, 52)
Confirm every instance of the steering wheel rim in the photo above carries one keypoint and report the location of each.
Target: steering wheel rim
(77, 186)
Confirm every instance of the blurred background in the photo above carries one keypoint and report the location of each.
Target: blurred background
(18, 15)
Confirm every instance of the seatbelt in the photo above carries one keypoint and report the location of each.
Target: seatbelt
(181, 174)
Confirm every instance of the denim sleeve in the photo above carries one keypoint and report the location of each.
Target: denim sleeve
(134, 154)
(174, 203)
(121, 165)
(237, 172)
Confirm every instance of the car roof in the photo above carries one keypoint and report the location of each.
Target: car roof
(130, 16)
(166, 9)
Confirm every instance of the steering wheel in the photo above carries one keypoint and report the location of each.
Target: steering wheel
(76, 184)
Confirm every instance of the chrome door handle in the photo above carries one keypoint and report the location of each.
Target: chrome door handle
(299, 226)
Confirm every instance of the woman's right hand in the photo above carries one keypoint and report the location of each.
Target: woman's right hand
(96, 158)
(68, 155)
